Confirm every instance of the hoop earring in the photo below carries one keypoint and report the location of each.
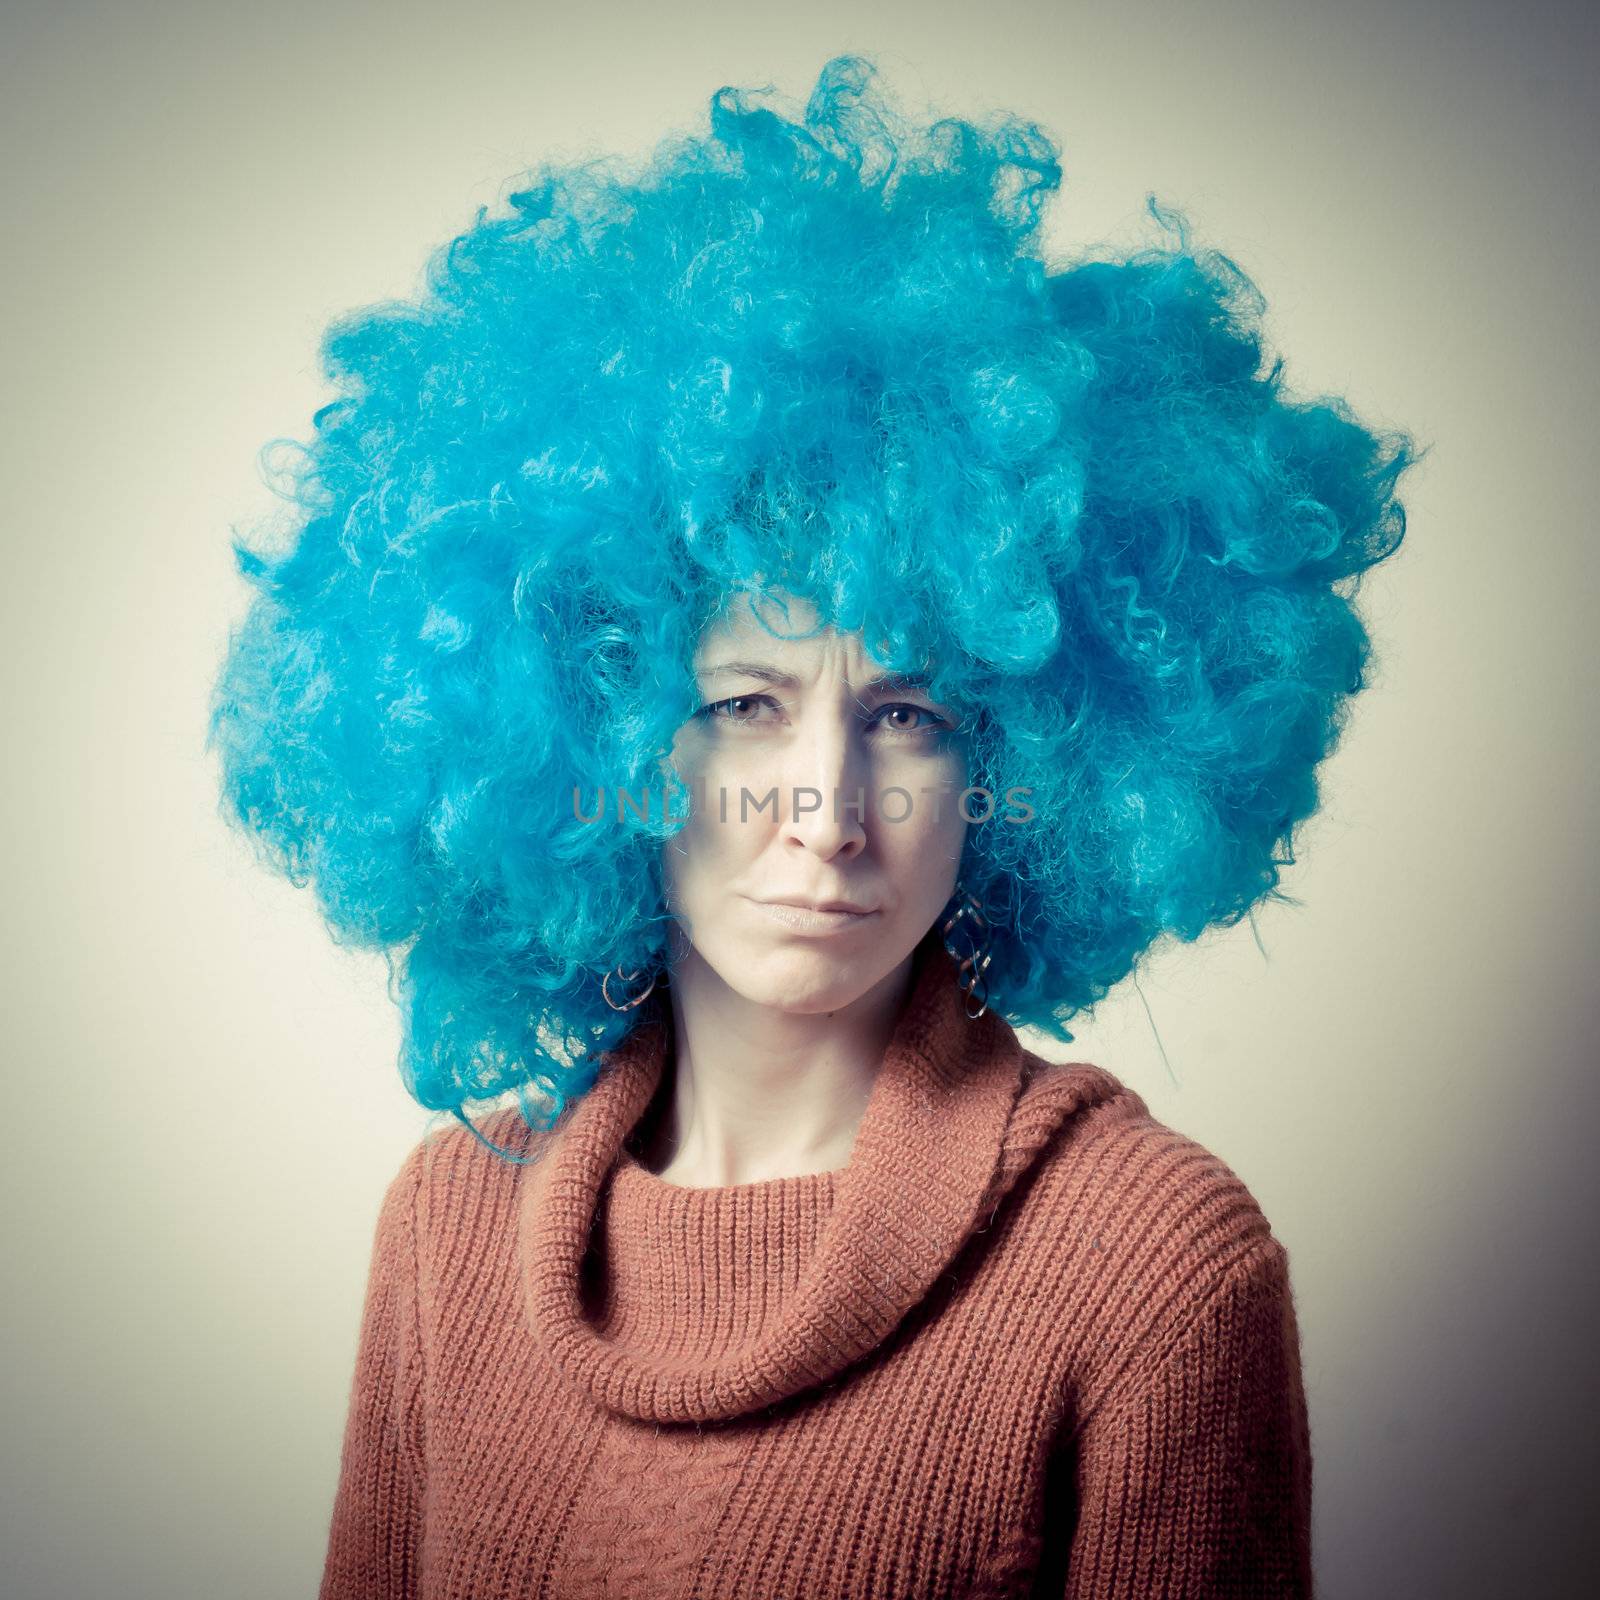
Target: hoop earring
(965, 933)
(626, 977)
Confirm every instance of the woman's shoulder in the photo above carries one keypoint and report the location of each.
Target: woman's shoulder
(455, 1188)
(1161, 1294)
(1154, 1220)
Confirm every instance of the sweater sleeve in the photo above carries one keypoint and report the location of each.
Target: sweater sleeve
(375, 1535)
(1194, 1478)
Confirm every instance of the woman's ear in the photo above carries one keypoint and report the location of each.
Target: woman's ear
(682, 794)
(668, 772)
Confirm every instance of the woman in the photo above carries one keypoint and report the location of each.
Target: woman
(754, 635)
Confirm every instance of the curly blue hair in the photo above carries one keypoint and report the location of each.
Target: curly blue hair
(818, 356)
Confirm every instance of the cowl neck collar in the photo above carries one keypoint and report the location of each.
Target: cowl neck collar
(867, 1242)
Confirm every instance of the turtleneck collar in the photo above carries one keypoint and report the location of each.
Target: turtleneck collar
(674, 1304)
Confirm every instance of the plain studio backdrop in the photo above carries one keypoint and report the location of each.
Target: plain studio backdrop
(202, 1093)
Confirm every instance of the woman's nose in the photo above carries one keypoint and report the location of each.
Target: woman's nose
(824, 799)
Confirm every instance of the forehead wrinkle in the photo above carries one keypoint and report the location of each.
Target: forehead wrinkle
(881, 684)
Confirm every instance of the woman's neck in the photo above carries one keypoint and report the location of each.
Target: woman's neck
(752, 1092)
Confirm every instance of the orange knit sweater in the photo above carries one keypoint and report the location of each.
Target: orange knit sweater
(1028, 1341)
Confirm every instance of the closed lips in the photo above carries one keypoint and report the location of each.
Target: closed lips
(820, 905)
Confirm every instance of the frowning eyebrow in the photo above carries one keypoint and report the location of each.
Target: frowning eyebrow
(887, 683)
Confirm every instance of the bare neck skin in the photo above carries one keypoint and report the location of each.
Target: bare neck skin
(752, 1092)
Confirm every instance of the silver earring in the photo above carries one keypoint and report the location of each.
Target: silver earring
(965, 933)
(626, 977)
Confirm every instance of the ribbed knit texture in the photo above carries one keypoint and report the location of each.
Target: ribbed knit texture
(1027, 1342)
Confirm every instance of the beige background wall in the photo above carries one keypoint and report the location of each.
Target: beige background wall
(201, 1102)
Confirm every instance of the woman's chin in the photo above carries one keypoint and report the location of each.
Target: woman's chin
(805, 980)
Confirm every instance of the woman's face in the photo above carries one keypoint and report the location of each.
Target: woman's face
(801, 763)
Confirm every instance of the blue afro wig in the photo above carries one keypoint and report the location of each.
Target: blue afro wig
(818, 355)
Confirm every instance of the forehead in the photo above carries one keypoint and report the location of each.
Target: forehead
(738, 634)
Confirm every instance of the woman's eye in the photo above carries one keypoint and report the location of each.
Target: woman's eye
(736, 708)
(910, 719)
